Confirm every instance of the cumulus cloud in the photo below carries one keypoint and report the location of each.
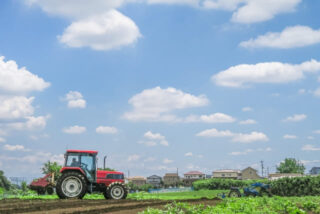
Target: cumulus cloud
(107, 31)
(32, 123)
(8, 147)
(247, 122)
(295, 118)
(316, 92)
(134, 157)
(247, 151)
(310, 147)
(167, 161)
(106, 130)
(290, 37)
(157, 104)
(74, 130)
(316, 131)
(19, 80)
(75, 99)
(253, 11)
(188, 154)
(15, 107)
(154, 139)
(245, 75)
(222, 4)
(2, 140)
(289, 137)
(213, 118)
(246, 109)
(235, 137)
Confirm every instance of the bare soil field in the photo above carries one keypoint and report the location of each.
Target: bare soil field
(88, 206)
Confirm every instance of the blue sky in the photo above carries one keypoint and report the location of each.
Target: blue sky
(158, 85)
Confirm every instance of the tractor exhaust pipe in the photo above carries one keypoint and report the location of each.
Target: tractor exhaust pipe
(104, 162)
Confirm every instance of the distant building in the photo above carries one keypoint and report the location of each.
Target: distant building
(171, 179)
(138, 180)
(315, 171)
(192, 176)
(249, 173)
(208, 176)
(155, 181)
(277, 176)
(227, 173)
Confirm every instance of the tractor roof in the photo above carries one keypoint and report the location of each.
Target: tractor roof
(82, 151)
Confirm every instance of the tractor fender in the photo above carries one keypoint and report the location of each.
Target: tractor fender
(77, 169)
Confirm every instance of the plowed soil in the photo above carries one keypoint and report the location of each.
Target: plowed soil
(88, 206)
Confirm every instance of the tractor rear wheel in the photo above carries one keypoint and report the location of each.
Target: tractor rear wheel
(116, 191)
(234, 194)
(71, 185)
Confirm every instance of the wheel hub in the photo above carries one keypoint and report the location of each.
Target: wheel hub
(117, 192)
(72, 186)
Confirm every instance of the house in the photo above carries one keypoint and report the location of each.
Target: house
(171, 179)
(227, 173)
(138, 180)
(315, 171)
(277, 176)
(249, 173)
(155, 181)
(192, 176)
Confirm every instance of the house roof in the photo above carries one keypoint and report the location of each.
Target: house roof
(154, 176)
(194, 173)
(249, 168)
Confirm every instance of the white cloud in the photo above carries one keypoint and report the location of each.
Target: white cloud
(235, 137)
(247, 122)
(133, 157)
(316, 131)
(32, 123)
(289, 137)
(310, 138)
(153, 139)
(213, 118)
(188, 154)
(290, 37)
(246, 109)
(222, 4)
(260, 10)
(307, 162)
(249, 138)
(181, 2)
(268, 149)
(153, 136)
(15, 148)
(157, 104)
(16, 107)
(110, 30)
(74, 130)
(75, 100)
(302, 91)
(2, 140)
(149, 159)
(295, 118)
(19, 80)
(106, 130)
(245, 75)
(167, 161)
(148, 143)
(310, 147)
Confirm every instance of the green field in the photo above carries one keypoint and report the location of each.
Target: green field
(250, 205)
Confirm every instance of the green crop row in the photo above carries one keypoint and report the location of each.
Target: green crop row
(260, 205)
(299, 186)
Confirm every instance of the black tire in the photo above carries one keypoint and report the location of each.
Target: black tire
(105, 194)
(50, 190)
(234, 194)
(70, 181)
(41, 191)
(116, 191)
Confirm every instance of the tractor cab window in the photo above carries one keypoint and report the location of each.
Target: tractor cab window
(85, 161)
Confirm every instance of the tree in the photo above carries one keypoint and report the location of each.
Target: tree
(291, 165)
(51, 167)
(4, 182)
(24, 186)
(107, 169)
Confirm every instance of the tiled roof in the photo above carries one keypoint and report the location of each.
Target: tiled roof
(194, 173)
(227, 170)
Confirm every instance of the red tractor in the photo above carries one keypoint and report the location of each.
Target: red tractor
(80, 175)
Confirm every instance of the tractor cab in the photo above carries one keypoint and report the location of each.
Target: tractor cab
(85, 161)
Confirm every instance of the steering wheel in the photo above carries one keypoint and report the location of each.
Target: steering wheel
(83, 165)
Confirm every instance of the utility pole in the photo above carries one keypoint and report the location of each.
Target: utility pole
(262, 168)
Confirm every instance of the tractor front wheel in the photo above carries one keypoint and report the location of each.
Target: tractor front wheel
(71, 185)
(116, 191)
